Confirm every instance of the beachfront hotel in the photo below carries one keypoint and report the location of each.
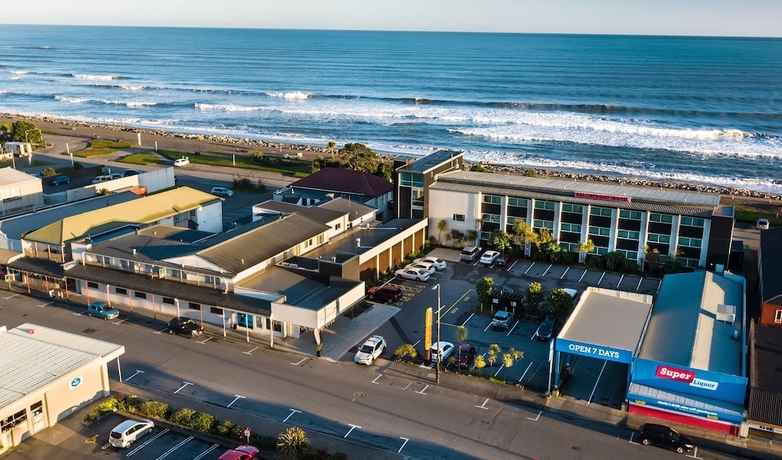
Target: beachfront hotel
(689, 226)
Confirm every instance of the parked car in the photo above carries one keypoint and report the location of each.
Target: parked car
(131, 172)
(412, 274)
(502, 320)
(240, 453)
(370, 350)
(548, 328)
(116, 176)
(102, 178)
(572, 293)
(222, 191)
(439, 264)
(184, 326)
(181, 162)
(465, 355)
(445, 350)
(663, 436)
(489, 257)
(504, 261)
(61, 180)
(102, 310)
(470, 253)
(389, 292)
(428, 268)
(129, 431)
(762, 224)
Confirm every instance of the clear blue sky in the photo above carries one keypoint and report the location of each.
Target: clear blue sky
(646, 17)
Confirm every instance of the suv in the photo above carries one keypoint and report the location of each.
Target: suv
(470, 253)
(371, 349)
(465, 355)
(501, 320)
(389, 292)
(128, 432)
(663, 436)
(184, 326)
(547, 328)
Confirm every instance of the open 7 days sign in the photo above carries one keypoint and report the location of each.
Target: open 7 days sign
(671, 373)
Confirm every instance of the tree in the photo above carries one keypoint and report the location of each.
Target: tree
(472, 235)
(331, 146)
(461, 334)
(484, 288)
(584, 248)
(358, 157)
(480, 362)
(24, 131)
(406, 352)
(292, 443)
(560, 303)
(534, 294)
(441, 227)
(523, 234)
(500, 240)
(494, 352)
(49, 172)
(385, 170)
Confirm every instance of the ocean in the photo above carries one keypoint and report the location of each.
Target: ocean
(699, 110)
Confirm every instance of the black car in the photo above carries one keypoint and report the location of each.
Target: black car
(548, 328)
(389, 292)
(61, 180)
(184, 326)
(663, 436)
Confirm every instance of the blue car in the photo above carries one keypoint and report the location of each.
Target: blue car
(102, 310)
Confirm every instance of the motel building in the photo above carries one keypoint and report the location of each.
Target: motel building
(48, 375)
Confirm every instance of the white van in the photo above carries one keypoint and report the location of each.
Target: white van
(129, 431)
(102, 178)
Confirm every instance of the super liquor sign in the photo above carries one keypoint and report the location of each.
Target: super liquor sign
(686, 380)
(666, 372)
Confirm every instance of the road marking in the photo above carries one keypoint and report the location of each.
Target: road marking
(184, 384)
(422, 392)
(171, 450)
(119, 322)
(417, 343)
(45, 304)
(251, 351)
(498, 370)
(375, 381)
(511, 329)
(583, 275)
(403, 444)
(236, 399)
(161, 331)
(513, 264)
(536, 418)
(130, 454)
(408, 386)
(483, 406)
(528, 268)
(352, 427)
(92, 439)
(695, 454)
(632, 435)
(659, 283)
(639, 283)
(620, 281)
(203, 454)
(601, 278)
(465, 321)
(487, 327)
(205, 340)
(302, 360)
(137, 373)
(546, 272)
(11, 297)
(293, 411)
(563, 275)
(105, 446)
(525, 372)
(80, 313)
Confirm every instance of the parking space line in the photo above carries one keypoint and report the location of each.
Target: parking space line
(639, 283)
(498, 370)
(601, 278)
(487, 327)
(45, 304)
(659, 283)
(80, 313)
(597, 382)
(563, 275)
(632, 435)
(12, 296)
(119, 322)
(422, 392)
(528, 268)
(293, 411)
(302, 360)
(483, 406)
(171, 450)
(137, 373)
(511, 329)
(375, 381)
(525, 372)
(408, 386)
(546, 272)
(251, 351)
(583, 275)
(536, 418)
(161, 331)
(235, 399)
(130, 454)
(469, 318)
(403, 444)
(184, 384)
(205, 340)
(204, 453)
(621, 278)
(695, 454)
(352, 427)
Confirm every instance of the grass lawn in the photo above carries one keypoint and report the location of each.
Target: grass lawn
(297, 168)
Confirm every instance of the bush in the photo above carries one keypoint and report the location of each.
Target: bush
(263, 442)
(49, 172)
(77, 166)
(129, 404)
(224, 428)
(183, 417)
(202, 422)
(155, 409)
(292, 443)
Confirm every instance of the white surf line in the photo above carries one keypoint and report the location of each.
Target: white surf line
(293, 411)
(525, 372)
(130, 454)
(525, 271)
(511, 329)
(235, 399)
(422, 392)
(408, 386)
(45, 304)
(403, 444)
(483, 406)
(352, 427)
(639, 283)
(171, 450)
(296, 364)
(563, 275)
(184, 384)
(137, 373)
(536, 418)
(546, 272)
(120, 321)
(498, 370)
(470, 317)
(205, 340)
(12, 296)
(251, 351)
(601, 278)
(204, 453)
(375, 381)
(597, 382)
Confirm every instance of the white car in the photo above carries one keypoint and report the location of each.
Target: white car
(428, 268)
(762, 224)
(416, 274)
(181, 162)
(370, 350)
(129, 431)
(439, 264)
(222, 191)
(489, 257)
(445, 348)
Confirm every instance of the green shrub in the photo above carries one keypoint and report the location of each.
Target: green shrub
(155, 409)
(129, 404)
(292, 443)
(263, 442)
(202, 422)
(49, 172)
(183, 417)
(224, 428)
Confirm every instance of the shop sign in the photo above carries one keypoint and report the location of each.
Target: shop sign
(672, 373)
(75, 382)
(601, 197)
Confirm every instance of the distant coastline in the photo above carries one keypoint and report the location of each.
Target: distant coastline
(311, 152)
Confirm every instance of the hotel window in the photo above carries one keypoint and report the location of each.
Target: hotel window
(633, 215)
(92, 285)
(169, 300)
(574, 208)
(657, 238)
(548, 205)
(778, 317)
(631, 255)
(140, 295)
(120, 291)
(537, 223)
(517, 202)
(573, 228)
(664, 218)
(215, 310)
(458, 217)
(494, 218)
(692, 221)
(596, 211)
(629, 235)
(571, 247)
(600, 231)
(194, 306)
(512, 220)
(492, 199)
(690, 242)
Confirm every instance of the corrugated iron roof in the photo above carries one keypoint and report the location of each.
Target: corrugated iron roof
(11, 176)
(34, 356)
(353, 209)
(316, 213)
(345, 181)
(770, 253)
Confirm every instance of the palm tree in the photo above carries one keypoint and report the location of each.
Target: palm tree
(461, 334)
(292, 443)
(480, 362)
(494, 351)
(406, 352)
(331, 146)
(472, 235)
(441, 227)
(523, 234)
(585, 248)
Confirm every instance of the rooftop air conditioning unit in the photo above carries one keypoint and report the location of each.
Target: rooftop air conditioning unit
(726, 313)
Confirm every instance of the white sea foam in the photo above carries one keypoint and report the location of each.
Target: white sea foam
(81, 76)
(133, 88)
(20, 72)
(72, 100)
(228, 107)
(295, 95)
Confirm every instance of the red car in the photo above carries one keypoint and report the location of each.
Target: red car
(504, 261)
(240, 453)
(387, 293)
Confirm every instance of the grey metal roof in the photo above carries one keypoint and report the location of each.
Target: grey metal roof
(610, 318)
(683, 329)
(347, 206)
(34, 356)
(765, 394)
(171, 233)
(770, 254)
(369, 237)
(431, 161)
(168, 288)
(259, 244)
(39, 266)
(7, 256)
(568, 188)
(298, 290)
(316, 213)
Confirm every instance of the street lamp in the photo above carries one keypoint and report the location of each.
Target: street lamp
(439, 345)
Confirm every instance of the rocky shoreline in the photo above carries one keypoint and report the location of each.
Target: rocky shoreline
(247, 144)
